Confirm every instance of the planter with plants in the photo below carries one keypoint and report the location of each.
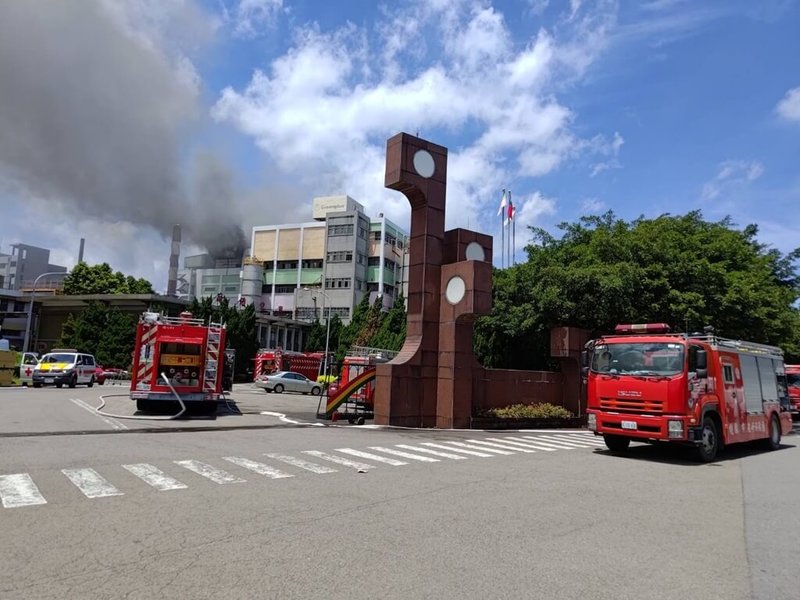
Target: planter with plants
(526, 416)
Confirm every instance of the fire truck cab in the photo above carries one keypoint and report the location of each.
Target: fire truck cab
(177, 356)
(645, 384)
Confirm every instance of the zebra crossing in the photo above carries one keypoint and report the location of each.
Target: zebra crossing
(20, 490)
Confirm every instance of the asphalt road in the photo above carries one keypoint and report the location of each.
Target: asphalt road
(234, 513)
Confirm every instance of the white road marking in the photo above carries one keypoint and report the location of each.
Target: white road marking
(91, 483)
(560, 441)
(19, 490)
(480, 448)
(108, 420)
(429, 451)
(514, 442)
(369, 456)
(340, 460)
(257, 467)
(559, 445)
(303, 464)
(155, 477)
(450, 448)
(404, 454)
(209, 472)
(501, 446)
(581, 439)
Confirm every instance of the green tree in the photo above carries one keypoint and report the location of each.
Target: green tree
(681, 270)
(101, 279)
(392, 331)
(240, 326)
(107, 333)
(350, 332)
(315, 340)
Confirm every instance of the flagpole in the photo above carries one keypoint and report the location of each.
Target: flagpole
(514, 233)
(508, 221)
(503, 233)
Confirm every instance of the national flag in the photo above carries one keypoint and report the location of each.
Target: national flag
(509, 216)
(502, 204)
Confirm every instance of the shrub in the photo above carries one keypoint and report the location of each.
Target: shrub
(528, 411)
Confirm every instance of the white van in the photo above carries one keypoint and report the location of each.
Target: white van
(27, 364)
(69, 367)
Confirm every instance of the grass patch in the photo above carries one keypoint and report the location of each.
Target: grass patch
(528, 411)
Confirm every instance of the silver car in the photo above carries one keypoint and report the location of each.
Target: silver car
(288, 381)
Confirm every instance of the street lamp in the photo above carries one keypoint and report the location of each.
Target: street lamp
(328, 328)
(30, 307)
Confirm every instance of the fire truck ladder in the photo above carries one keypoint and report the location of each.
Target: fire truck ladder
(212, 358)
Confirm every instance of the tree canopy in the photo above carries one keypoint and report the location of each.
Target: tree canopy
(101, 279)
(104, 331)
(240, 324)
(681, 270)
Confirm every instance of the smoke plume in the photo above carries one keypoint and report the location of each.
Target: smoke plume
(94, 118)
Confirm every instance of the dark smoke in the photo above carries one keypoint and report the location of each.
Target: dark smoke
(93, 118)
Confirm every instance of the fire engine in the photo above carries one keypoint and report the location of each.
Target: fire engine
(646, 384)
(310, 364)
(793, 381)
(352, 396)
(177, 355)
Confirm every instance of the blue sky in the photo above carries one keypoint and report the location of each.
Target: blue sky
(251, 108)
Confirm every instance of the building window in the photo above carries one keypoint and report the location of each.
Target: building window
(372, 287)
(287, 264)
(231, 289)
(362, 233)
(340, 230)
(266, 288)
(285, 289)
(341, 312)
(208, 279)
(337, 283)
(337, 257)
(376, 235)
(312, 264)
(374, 261)
(360, 259)
(268, 266)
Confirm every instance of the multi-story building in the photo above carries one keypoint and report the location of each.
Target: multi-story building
(325, 267)
(20, 269)
(298, 272)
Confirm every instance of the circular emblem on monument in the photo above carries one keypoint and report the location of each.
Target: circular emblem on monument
(423, 163)
(475, 251)
(456, 288)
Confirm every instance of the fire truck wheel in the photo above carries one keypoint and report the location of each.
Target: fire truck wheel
(278, 389)
(709, 445)
(774, 439)
(315, 391)
(616, 443)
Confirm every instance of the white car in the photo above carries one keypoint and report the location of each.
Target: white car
(288, 381)
(69, 367)
(26, 367)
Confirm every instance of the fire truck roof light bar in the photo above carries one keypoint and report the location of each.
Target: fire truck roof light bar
(642, 328)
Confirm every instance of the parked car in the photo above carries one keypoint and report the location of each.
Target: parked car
(27, 364)
(99, 375)
(288, 381)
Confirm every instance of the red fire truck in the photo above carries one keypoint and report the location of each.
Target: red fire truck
(177, 355)
(310, 364)
(793, 381)
(645, 384)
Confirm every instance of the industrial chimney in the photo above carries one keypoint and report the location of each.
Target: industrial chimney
(80, 250)
(175, 252)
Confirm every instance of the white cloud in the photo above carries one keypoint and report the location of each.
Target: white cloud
(789, 107)
(324, 110)
(610, 150)
(592, 205)
(252, 17)
(731, 175)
